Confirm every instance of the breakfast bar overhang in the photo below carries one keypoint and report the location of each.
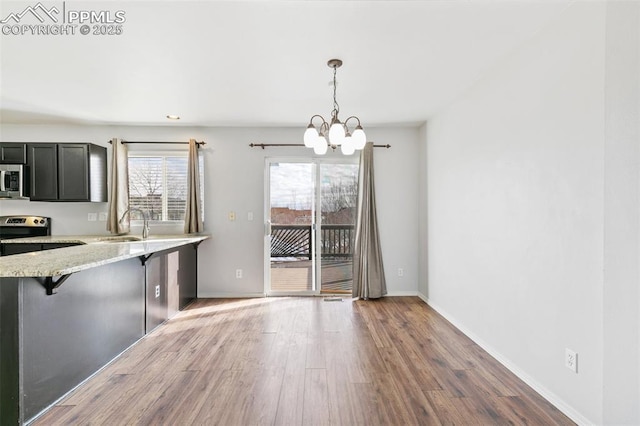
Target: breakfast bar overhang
(50, 343)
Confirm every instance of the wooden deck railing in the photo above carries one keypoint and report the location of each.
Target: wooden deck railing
(337, 241)
(295, 241)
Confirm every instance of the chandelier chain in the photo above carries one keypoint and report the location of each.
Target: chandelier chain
(336, 107)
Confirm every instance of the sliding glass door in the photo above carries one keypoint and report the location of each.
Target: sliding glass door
(338, 197)
(290, 239)
(309, 223)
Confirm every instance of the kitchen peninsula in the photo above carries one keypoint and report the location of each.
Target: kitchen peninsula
(67, 312)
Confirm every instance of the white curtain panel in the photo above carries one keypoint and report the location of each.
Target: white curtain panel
(119, 188)
(193, 215)
(368, 271)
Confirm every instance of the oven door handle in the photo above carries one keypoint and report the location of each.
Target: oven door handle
(3, 175)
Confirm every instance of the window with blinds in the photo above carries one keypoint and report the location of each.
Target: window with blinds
(158, 185)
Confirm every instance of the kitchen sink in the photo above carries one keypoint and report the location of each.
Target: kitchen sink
(124, 239)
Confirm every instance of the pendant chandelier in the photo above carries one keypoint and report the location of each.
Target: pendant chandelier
(338, 133)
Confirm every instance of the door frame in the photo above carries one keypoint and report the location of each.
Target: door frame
(317, 224)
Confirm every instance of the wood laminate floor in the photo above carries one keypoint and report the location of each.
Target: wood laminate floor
(305, 361)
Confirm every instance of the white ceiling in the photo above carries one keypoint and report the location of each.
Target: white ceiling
(261, 63)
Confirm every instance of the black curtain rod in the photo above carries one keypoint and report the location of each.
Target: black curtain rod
(175, 143)
(264, 145)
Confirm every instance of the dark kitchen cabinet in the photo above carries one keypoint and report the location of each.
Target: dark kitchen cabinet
(68, 172)
(13, 153)
(43, 167)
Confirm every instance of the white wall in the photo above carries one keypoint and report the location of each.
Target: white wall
(239, 245)
(515, 184)
(621, 292)
(234, 181)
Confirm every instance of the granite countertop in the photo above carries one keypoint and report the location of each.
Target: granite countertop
(94, 250)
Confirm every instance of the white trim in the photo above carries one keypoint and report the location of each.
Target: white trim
(560, 404)
(232, 295)
(266, 230)
(229, 295)
(401, 293)
(302, 293)
(425, 300)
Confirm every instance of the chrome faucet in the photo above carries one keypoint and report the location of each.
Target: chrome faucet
(145, 226)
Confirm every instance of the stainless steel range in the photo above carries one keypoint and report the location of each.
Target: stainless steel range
(24, 226)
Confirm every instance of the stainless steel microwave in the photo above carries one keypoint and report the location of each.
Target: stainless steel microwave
(13, 181)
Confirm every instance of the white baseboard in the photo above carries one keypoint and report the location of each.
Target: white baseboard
(560, 404)
(401, 293)
(229, 295)
(232, 295)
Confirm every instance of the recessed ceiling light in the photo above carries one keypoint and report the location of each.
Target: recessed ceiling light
(173, 117)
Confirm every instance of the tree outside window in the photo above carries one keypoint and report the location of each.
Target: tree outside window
(158, 186)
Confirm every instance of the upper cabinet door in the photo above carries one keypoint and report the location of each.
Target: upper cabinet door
(43, 169)
(73, 172)
(13, 153)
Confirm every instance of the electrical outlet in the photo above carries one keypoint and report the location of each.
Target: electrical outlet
(157, 291)
(92, 217)
(571, 360)
(238, 273)
(102, 216)
(400, 272)
(250, 216)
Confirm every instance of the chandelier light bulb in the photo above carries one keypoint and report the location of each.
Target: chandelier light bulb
(319, 140)
(348, 146)
(359, 138)
(310, 136)
(336, 133)
(321, 146)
